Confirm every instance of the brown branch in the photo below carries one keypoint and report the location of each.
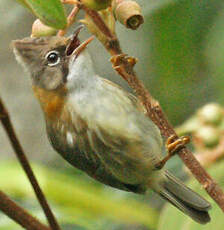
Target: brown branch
(19, 215)
(70, 20)
(154, 111)
(6, 122)
(112, 44)
(97, 20)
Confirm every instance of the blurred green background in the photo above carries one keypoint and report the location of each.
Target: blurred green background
(180, 51)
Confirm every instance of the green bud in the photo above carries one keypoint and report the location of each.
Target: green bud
(128, 13)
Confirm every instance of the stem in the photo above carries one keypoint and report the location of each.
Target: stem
(6, 122)
(97, 20)
(19, 215)
(154, 111)
(70, 20)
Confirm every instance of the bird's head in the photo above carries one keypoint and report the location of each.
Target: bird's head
(58, 66)
(53, 62)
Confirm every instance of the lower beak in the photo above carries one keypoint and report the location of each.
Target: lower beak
(81, 47)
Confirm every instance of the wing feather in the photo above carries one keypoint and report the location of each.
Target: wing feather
(112, 132)
(112, 129)
(137, 104)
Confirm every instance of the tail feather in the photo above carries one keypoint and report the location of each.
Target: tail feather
(185, 199)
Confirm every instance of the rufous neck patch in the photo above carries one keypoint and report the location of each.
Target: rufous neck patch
(52, 102)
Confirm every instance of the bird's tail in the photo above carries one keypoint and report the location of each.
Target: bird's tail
(186, 200)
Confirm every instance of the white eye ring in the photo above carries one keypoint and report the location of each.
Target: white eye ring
(52, 58)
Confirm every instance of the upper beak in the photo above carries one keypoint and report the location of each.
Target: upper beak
(75, 48)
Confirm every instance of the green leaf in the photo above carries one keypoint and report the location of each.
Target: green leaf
(50, 12)
(171, 217)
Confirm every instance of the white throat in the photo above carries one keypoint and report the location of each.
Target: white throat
(81, 73)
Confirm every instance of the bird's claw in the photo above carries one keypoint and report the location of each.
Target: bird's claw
(119, 58)
(173, 145)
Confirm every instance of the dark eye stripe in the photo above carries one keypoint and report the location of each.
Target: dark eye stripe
(65, 72)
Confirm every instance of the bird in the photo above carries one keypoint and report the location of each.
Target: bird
(97, 126)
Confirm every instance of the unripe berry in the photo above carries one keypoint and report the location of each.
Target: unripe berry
(41, 30)
(128, 13)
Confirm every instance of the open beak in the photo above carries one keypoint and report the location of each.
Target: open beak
(82, 46)
(75, 48)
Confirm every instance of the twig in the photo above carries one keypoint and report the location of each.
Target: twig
(112, 44)
(154, 111)
(5, 119)
(97, 19)
(19, 215)
(70, 20)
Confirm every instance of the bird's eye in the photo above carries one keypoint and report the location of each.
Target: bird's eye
(52, 58)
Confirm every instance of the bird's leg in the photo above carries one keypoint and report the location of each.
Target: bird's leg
(118, 59)
(173, 145)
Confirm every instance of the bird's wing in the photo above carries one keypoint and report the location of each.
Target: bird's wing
(112, 126)
(79, 151)
(139, 106)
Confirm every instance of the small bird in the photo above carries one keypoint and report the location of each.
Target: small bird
(97, 126)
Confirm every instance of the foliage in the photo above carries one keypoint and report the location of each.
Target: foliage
(50, 12)
(179, 35)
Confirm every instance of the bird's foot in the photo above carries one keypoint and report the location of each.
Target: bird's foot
(174, 144)
(117, 60)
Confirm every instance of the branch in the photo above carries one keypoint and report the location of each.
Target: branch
(6, 122)
(125, 68)
(19, 215)
(70, 20)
